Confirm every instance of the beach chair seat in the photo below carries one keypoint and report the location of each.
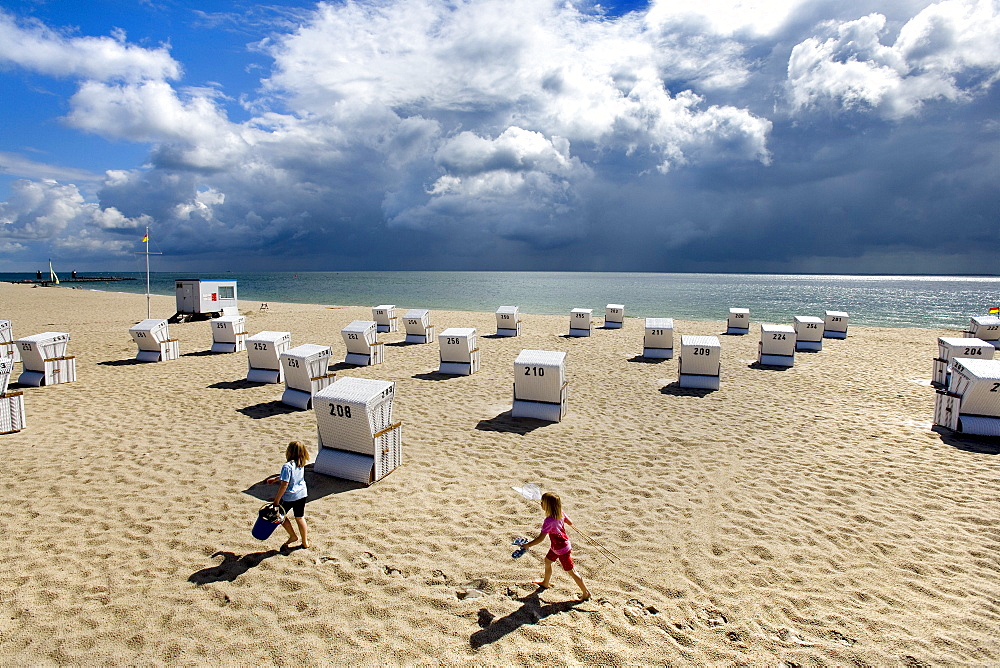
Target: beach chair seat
(508, 321)
(580, 321)
(970, 404)
(306, 371)
(152, 337)
(700, 365)
(11, 403)
(44, 360)
(658, 341)
(777, 345)
(229, 334)
(540, 385)
(358, 438)
(459, 353)
(738, 323)
(363, 348)
(385, 318)
(983, 327)
(835, 325)
(418, 326)
(808, 333)
(8, 347)
(614, 316)
(951, 347)
(264, 356)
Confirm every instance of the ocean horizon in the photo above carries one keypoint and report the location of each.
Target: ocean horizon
(876, 300)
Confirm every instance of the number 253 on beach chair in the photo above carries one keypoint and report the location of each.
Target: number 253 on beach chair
(44, 360)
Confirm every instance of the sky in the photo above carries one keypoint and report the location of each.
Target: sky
(798, 136)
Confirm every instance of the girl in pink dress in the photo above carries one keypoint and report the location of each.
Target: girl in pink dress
(560, 549)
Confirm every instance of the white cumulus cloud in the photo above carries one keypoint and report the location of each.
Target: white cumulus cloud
(948, 51)
(39, 48)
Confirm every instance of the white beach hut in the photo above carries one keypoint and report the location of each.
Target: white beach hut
(614, 316)
(700, 364)
(982, 327)
(540, 386)
(950, 347)
(358, 439)
(777, 345)
(385, 318)
(152, 336)
(205, 295)
(835, 325)
(306, 370)
(44, 359)
(363, 348)
(738, 322)
(11, 403)
(7, 346)
(229, 334)
(808, 333)
(971, 402)
(418, 326)
(580, 321)
(264, 356)
(508, 321)
(459, 351)
(658, 341)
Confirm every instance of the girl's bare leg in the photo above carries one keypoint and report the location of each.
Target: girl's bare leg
(301, 522)
(291, 532)
(547, 576)
(584, 592)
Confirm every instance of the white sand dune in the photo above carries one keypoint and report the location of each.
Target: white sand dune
(806, 516)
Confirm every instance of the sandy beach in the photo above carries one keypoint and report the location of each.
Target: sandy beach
(809, 516)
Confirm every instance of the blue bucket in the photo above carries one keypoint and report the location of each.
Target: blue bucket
(268, 519)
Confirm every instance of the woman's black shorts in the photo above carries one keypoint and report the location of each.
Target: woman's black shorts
(298, 507)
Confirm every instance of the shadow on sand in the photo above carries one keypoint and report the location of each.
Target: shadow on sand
(508, 424)
(981, 445)
(532, 611)
(232, 566)
(674, 389)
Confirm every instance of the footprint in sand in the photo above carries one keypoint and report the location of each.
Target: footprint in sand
(364, 560)
(715, 618)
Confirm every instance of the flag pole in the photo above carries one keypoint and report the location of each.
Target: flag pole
(145, 240)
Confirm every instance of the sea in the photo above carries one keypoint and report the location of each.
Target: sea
(885, 301)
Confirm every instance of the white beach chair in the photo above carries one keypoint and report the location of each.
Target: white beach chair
(7, 344)
(229, 334)
(508, 321)
(306, 370)
(363, 348)
(459, 351)
(44, 360)
(950, 347)
(835, 325)
(358, 439)
(614, 316)
(264, 356)
(152, 337)
(971, 402)
(658, 341)
(385, 318)
(11, 403)
(580, 321)
(982, 327)
(540, 386)
(700, 365)
(418, 326)
(738, 322)
(808, 333)
(777, 345)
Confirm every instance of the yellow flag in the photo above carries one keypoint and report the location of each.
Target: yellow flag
(145, 238)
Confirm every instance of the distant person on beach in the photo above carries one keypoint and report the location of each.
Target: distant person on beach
(292, 492)
(560, 549)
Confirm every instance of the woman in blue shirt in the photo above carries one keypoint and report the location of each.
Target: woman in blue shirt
(292, 493)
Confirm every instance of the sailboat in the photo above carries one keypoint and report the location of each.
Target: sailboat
(52, 275)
